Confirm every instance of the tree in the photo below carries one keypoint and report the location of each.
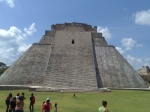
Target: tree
(3, 68)
(2, 65)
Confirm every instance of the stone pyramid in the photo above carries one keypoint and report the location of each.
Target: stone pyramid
(72, 56)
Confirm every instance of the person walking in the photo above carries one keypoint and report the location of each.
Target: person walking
(23, 96)
(47, 105)
(17, 96)
(7, 101)
(12, 105)
(55, 107)
(43, 106)
(32, 101)
(19, 104)
(103, 107)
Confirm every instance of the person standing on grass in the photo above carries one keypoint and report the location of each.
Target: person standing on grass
(19, 104)
(17, 96)
(7, 101)
(23, 96)
(103, 107)
(12, 105)
(55, 107)
(47, 105)
(32, 101)
(43, 106)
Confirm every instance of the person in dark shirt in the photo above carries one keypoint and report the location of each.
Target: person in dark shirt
(12, 105)
(23, 96)
(7, 101)
(32, 101)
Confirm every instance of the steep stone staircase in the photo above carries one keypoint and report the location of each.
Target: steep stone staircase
(71, 65)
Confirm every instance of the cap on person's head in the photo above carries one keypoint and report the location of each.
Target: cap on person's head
(32, 94)
(47, 99)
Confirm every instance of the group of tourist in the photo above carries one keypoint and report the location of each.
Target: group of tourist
(47, 106)
(16, 103)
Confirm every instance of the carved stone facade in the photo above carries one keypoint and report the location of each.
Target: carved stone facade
(74, 27)
(72, 56)
(144, 72)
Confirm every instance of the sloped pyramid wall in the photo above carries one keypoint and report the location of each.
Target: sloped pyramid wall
(115, 71)
(72, 56)
(28, 69)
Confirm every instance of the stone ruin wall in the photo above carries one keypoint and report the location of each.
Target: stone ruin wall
(144, 72)
(115, 70)
(88, 63)
(74, 27)
(29, 68)
(70, 64)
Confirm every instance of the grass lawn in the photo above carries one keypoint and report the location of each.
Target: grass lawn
(118, 100)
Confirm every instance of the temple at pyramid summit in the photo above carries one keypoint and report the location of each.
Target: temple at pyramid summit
(72, 56)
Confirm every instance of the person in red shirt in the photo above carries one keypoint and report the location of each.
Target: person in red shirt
(47, 105)
(43, 106)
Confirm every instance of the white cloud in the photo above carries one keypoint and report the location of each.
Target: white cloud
(129, 43)
(29, 31)
(133, 59)
(23, 47)
(120, 50)
(105, 31)
(138, 62)
(12, 43)
(146, 62)
(139, 45)
(9, 2)
(142, 17)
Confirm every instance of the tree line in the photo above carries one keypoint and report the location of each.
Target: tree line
(3, 68)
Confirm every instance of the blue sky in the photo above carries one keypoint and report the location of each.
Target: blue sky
(124, 24)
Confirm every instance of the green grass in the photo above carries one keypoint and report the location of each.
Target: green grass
(118, 101)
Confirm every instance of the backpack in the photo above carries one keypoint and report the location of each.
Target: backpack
(7, 101)
(33, 100)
